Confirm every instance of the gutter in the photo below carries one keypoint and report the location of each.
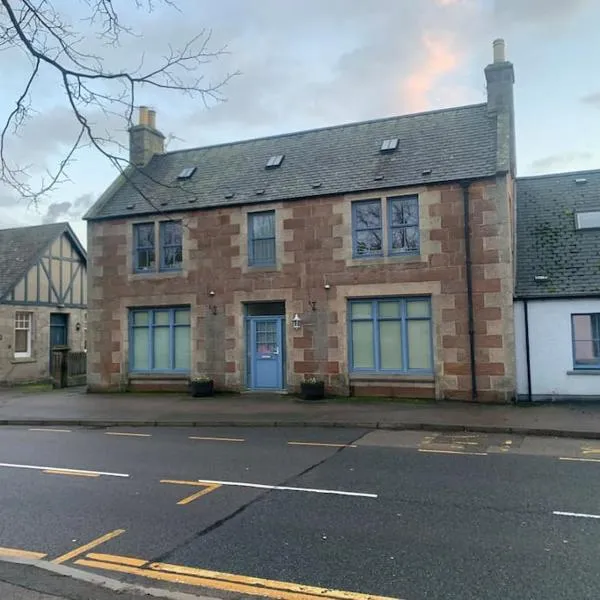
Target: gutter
(527, 349)
(469, 277)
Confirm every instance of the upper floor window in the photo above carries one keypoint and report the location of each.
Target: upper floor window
(586, 341)
(396, 228)
(23, 334)
(170, 250)
(390, 335)
(261, 238)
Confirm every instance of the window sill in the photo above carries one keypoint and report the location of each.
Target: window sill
(155, 274)
(404, 377)
(18, 360)
(263, 268)
(158, 375)
(595, 371)
(356, 261)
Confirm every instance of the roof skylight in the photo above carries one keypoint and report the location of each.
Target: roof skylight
(186, 173)
(389, 145)
(588, 220)
(275, 161)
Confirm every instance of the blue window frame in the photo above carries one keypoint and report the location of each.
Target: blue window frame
(367, 228)
(261, 238)
(586, 340)
(403, 225)
(160, 340)
(390, 335)
(171, 250)
(144, 258)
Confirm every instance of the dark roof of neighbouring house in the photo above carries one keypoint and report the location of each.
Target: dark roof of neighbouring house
(548, 243)
(453, 144)
(21, 248)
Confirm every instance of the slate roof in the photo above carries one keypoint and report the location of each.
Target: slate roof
(548, 242)
(21, 247)
(454, 143)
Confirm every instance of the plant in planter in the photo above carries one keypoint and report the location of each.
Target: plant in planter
(201, 386)
(312, 389)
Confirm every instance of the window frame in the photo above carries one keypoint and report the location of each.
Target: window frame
(137, 248)
(19, 319)
(595, 341)
(386, 228)
(404, 319)
(151, 326)
(162, 225)
(252, 261)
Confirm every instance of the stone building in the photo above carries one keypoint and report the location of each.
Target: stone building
(377, 256)
(43, 298)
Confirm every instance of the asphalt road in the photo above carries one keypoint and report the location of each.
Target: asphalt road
(419, 516)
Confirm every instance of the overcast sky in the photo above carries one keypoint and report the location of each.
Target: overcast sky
(322, 62)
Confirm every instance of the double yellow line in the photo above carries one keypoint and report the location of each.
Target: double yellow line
(229, 582)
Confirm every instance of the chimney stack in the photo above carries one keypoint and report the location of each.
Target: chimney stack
(500, 78)
(144, 139)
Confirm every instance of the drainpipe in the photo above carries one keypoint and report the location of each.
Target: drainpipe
(468, 263)
(527, 349)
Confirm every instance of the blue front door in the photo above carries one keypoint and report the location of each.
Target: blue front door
(266, 369)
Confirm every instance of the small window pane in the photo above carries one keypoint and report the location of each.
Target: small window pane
(587, 353)
(362, 345)
(263, 252)
(146, 260)
(182, 348)
(404, 212)
(140, 349)
(389, 310)
(263, 225)
(419, 344)
(173, 257)
(171, 232)
(161, 317)
(161, 348)
(140, 318)
(417, 308)
(182, 317)
(368, 242)
(362, 310)
(21, 340)
(145, 235)
(405, 239)
(390, 344)
(367, 215)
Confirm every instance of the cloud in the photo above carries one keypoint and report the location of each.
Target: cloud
(68, 211)
(592, 100)
(574, 160)
(537, 12)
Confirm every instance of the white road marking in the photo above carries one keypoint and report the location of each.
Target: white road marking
(128, 434)
(61, 469)
(288, 488)
(579, 459)
(432, 451)
(572, 514)
(49, 429)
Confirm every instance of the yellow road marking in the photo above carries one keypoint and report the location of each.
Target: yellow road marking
(208, 488)
(588, 450)
(121, 560)
(73, 473)
(89, 546)
(216, 439)
(579, 459)
(15, 552)
(322, 444)
(49, 429)
(128, 434)
(452, 452)
(229, 582)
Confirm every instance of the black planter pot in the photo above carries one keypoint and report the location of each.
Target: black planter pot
(312, 391)
(201, 388)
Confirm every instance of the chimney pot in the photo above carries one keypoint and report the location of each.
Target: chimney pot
(499, 51)
(143, 115)
(151, 122)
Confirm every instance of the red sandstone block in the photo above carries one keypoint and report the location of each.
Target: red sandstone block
(491, 369)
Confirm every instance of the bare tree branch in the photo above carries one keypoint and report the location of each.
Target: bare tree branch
(39, 30)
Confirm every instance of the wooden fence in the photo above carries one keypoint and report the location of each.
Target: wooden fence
(68, 368)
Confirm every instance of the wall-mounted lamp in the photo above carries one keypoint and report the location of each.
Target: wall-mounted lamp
(327, 286)
(77, 326)
(296, 321)
(211, 293)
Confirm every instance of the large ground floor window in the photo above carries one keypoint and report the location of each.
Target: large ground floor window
(160, 339)
(390, 335)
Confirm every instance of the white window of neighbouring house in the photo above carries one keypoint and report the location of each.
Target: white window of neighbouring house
(23, 334)
(390, 335)
(261, 238)
(586, 341)
(160, 339)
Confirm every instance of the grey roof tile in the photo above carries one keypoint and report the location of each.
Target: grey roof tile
(21, 247)
(548, 242)
(454, 143)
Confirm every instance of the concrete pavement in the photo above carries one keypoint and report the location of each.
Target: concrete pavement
(74, 407)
